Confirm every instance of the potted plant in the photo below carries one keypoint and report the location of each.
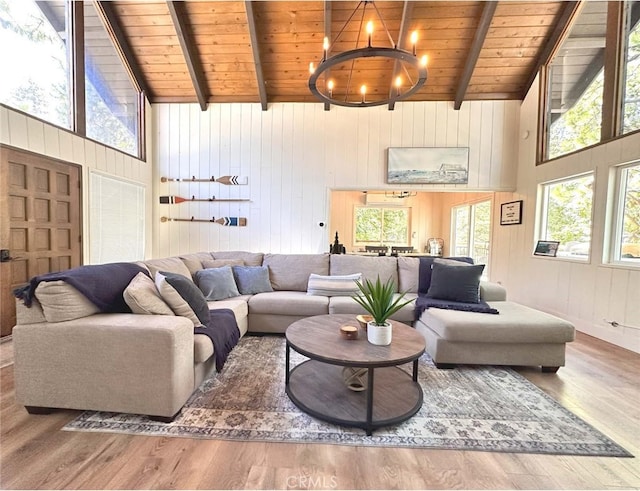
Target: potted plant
(381, 301)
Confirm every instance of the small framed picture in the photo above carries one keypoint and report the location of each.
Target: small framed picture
(546, 248)
(511, 213)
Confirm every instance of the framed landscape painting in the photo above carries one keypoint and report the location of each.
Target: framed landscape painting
(436, 165)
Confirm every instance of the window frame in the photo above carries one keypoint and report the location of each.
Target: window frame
(356, 242)
(614, 80)
(615, 227)
(542, 204)
(76, 59)
(471, 214)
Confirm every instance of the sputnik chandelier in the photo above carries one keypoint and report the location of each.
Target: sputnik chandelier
(340, 78)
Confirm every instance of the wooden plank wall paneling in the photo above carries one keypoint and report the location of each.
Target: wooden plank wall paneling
(294, 154)
(583, 292)
(22, 131)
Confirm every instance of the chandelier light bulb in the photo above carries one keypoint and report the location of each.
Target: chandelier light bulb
(414, 41)
(424, 60)
(369, 31)
(330, 86)
(325, 47)
(311, 68)
(398, 84)
(363, 91)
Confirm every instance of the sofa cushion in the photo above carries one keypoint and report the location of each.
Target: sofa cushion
(218, 263)
(202, 348)
(288, 303)
(169, 264)
(249, 258)
(370, 267)
(333, 286)
(217, 283)
(291, 271)
(142, 297)
(515, 324)
(193, 262)
(252, 279)
(408, 268)
(183, 296)
(456, 281)
(62, 302)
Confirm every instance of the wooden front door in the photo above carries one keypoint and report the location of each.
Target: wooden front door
(40, 222)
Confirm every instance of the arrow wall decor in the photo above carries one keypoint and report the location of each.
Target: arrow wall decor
(228, 180)
(224, 221)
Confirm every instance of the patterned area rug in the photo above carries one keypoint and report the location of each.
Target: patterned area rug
(467, 408)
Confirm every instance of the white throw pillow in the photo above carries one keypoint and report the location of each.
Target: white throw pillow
(142, 297)
(333, 286)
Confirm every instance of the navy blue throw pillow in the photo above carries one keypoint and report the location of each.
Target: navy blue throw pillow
(455, 283)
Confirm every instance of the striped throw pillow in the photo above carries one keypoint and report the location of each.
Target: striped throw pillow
(333, 286)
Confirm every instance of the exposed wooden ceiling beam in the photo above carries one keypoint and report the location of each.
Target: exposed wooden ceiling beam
(559, 30)
(251, 21)
(106, 11)
(407, 10)
(327, 34)
(179, 17)
(472, 57)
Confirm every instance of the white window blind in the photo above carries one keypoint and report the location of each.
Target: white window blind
(116, 222)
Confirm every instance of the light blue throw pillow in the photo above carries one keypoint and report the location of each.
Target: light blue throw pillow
(252, 279)
(217, 283)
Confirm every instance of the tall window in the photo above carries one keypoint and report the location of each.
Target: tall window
(575, 84)
(626, 235)
(36, 39)
(376, 226)
(35, 68)
(471, 231)
(631, 90)
(565, 215)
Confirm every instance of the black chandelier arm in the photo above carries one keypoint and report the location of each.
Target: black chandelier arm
(368, 52)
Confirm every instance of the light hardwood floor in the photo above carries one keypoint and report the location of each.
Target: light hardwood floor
(601, 384)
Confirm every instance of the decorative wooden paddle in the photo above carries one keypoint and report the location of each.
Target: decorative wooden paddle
(174, 200)
(225, 221)
(228, 180)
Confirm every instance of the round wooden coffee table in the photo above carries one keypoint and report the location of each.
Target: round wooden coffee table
(317, 387)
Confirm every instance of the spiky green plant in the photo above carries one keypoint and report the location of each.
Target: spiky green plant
(378, 299)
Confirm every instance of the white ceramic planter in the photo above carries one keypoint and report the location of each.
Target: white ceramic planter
(379, 335)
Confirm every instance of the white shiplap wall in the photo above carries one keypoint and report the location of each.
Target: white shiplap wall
(584, 293)
(19, 130)
(294, 154)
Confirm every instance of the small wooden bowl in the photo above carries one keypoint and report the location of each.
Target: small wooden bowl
(349, 332)
(363, 319)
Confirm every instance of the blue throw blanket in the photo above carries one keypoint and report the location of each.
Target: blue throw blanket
(223, 331)
(423, 301)
(102, 284)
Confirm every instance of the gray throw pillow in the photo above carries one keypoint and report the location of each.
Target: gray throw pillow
(252, 279)
(217, 283)
(457, 283)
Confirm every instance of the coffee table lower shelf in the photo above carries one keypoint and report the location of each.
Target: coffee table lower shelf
(318, 388)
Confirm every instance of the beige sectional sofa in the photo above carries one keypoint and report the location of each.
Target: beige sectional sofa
(151, 364)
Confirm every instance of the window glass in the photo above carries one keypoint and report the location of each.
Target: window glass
(627, 231)
(111, 99)
(631, 98)
(472, 231)
(575, 84)
(35, 68)
(566, 215)
(382, 226)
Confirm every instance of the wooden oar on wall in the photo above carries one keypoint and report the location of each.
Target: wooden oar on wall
(228, 180)
(174, 200)
(225, 221)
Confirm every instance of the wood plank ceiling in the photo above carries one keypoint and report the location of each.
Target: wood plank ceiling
(223, 51)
